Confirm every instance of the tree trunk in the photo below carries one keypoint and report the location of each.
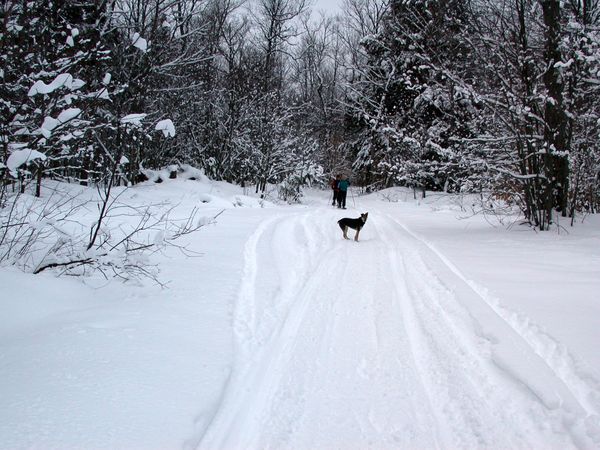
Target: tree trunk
(555, 133)
(38, 182)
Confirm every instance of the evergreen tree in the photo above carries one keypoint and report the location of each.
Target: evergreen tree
(411, 110)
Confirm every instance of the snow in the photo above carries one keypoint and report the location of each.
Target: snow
(22, 156)
(563, 65)
(139, 42)
(76, 84)
(133, 119)
(12, 27)
(39, 87)
(103, 94)
(64, 79)
(167, 127)
(65, 116)
(192, 172)
(436, 330)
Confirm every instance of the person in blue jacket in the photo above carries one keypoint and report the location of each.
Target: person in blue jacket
(343, 185)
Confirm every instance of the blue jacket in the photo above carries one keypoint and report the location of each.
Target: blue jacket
(343, 185)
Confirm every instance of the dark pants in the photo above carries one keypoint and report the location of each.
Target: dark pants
(341, 199)
(335, 196)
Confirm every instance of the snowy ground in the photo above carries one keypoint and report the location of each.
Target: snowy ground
(434, 331)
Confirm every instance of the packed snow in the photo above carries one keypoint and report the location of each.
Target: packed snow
(438, 329)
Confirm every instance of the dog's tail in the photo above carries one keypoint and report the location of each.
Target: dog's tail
(340, 224)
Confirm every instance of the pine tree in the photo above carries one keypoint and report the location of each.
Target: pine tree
(410, 108)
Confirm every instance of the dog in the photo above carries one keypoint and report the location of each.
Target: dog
(355, 224)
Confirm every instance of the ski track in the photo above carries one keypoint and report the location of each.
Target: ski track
(378, 344)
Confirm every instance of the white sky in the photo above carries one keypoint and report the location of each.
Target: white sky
(329, 6)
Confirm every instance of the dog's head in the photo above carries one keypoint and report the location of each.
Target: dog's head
(363, 217)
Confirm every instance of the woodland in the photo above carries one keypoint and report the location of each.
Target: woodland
(497, 98)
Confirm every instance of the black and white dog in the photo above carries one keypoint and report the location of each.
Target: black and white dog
(355, 224)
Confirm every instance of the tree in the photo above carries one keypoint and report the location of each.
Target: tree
(410, 109)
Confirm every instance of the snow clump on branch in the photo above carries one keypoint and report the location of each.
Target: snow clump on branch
(167, 127)
(21, 156)
(139, 42)
(65, 116)
(64, 79)
(133, 119)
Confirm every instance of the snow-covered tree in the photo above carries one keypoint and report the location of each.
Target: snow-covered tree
(411, 111)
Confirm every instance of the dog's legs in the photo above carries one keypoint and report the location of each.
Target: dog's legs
(343, 228)
(346, 233)
(356, 235)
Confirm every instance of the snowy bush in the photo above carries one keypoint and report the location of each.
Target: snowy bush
(113, 238)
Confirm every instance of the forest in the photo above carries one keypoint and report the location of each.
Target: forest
(497, 98)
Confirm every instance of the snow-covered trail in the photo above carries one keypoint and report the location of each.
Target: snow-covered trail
(377, 344)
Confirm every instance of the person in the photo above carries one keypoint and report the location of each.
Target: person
(343, 185)
(334, 187)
